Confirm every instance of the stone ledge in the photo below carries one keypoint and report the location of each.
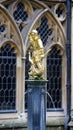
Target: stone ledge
(22, 122)
(71, 123)
(55, 121)
(13, 123)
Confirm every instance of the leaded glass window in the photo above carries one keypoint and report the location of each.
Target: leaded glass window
(54, 76)
(20, 14)
(43, 30)
(7, 78)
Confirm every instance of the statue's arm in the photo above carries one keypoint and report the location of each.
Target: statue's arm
(30, 59)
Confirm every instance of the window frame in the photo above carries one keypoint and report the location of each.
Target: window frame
(60, 112)
(19, 84)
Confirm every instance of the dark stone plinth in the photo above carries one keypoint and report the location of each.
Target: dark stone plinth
(36, 104)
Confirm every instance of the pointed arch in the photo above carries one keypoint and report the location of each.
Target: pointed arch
(11, 30)
(43, 9)
(35, 19)
(12, 43)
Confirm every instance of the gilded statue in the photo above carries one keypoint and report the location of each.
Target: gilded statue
(36, 56)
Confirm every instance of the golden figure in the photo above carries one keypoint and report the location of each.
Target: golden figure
(36, 56)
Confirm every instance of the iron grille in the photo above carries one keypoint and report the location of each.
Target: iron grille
(7, 78)
(54, 76)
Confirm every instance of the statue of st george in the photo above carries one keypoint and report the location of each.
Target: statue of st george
(36, 56)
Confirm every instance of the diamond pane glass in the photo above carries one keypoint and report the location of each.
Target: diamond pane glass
(54, 76)
(43, 30)
(7, 78)
(20, 13)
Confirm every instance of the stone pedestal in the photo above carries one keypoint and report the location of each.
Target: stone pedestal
(36, 104)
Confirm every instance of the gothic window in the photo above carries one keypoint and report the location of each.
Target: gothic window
(44, 32)
(54, 76)
(20, 14)
(7, 78)
(54, 69)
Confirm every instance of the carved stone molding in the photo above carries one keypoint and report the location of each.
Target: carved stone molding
(8, 29)
(29, 14)
(60, 11)
(21, 11)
